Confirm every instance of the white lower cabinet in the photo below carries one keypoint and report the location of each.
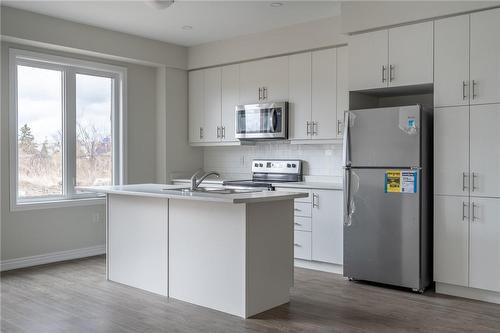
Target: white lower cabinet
(467, 242)
(327, 227)
(318, 226)
(484, 247)
(302, 245)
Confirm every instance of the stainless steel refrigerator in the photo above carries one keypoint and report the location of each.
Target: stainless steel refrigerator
(388, 196)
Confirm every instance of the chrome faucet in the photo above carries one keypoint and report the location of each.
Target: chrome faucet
(195, 182)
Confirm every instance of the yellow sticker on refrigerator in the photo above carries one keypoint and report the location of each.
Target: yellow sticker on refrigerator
(400, 181)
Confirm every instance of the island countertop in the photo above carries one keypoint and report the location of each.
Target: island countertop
(172, 192)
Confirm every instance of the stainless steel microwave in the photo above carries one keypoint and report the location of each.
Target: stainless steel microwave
(262, 121)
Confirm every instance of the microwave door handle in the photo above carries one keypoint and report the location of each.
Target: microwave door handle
(274, 120)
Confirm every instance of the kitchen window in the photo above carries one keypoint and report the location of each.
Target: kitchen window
(67, 129)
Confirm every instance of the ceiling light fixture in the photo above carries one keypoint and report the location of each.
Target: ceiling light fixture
(160, 4)
(187, 27)
(276, 4)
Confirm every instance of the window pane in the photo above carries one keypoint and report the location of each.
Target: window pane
(94, 163)
(39, 103)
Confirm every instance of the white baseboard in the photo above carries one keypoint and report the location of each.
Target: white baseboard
(473, 293)
(319, 266)
(47, 258)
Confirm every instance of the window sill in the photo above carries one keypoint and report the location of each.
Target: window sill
(60, 203)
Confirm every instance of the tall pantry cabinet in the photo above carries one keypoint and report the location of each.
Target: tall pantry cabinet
(467, 155)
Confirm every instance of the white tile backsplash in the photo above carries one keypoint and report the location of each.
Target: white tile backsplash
(318, 160)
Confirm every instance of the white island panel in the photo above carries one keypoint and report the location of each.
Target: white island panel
(137, 242)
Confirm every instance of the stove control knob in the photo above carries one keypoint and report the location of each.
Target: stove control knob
(293, 165)
(261, 165)
(288, 165)
(256, 164)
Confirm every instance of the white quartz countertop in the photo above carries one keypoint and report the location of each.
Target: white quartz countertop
(306, 184)
(169, 192)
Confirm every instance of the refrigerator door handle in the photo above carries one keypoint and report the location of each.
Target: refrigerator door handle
(347, 196)
(346, 143)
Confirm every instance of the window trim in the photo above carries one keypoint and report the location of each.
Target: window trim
(70, 68)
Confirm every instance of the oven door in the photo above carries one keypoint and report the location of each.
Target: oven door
(261, 121)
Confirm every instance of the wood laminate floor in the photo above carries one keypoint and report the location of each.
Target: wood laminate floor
(75, 297)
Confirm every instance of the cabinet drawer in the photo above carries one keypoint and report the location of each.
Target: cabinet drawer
(302, 223)
(298, 190)
(302, 245)
(302, 209)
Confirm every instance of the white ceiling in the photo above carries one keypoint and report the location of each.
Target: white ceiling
(211, 20)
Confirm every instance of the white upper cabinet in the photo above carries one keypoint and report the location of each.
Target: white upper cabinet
(196, 105)
(342, 88)
(451, 61)
(368, 60)
(300, 96)
(401, 56)
(411, 54)
(324, 94)
(264, 81)
(485, 57)
(451, 151)
(212, 110)
(230, 98)
(484, 150)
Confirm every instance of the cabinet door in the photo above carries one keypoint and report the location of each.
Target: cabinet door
(302, 245)
(327, 226)
(485, 56)
(451, 150)
(411, 54)
(485, 244)
(250, 82)
(451, 61)
(230, 98)
(300, 95)
(342, 87)
(212, 110)
(275, 78)
(451, 240)
(484, 150)
(196, 105)
(368, 60)
(324, 94)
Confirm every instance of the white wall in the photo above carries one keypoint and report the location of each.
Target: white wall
(21, 26)
(366, 15)
(299, 37)
(235, 162)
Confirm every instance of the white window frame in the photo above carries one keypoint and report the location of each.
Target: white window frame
(69, 67)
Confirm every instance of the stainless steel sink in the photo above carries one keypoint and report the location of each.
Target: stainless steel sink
(215, 190)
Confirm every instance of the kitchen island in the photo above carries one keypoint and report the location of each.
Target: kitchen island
(229, 250)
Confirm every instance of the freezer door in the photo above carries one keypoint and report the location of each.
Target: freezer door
(384, 137)
(381, 240)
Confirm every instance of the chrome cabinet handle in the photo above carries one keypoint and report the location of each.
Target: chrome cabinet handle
(297, 223)
(260, 94)
(391, 73)
(223, 132)
(315, 200)
(474, 217)
(464, 91)
(297, 210)
(297, 244)
(464, 186)
(264, 93)
(201, 132)
(339, 126)
(474, 83)
(218, 132)
(314, 128)
(383, 73)
(474, 176)
(464, 205)
(308, 127)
